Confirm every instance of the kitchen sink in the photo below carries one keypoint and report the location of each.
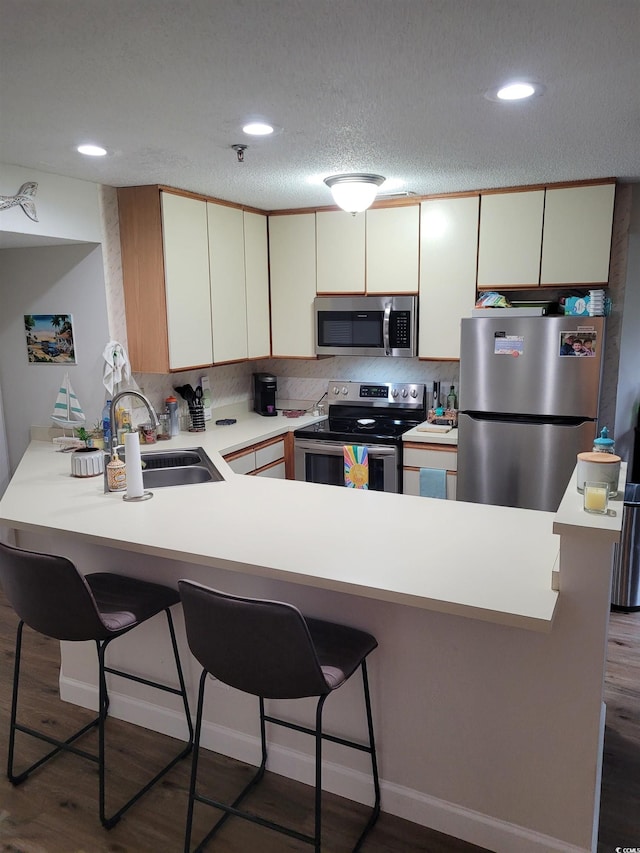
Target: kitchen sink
(175, 467)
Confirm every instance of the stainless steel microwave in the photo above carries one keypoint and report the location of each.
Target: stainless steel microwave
(366, 325)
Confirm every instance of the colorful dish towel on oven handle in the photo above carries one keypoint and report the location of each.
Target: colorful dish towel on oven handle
(356, 466)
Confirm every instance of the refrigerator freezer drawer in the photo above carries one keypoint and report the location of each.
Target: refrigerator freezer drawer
(510, 463)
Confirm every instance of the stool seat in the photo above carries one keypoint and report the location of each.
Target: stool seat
(52, 597)
(270, 650)
(124, 602)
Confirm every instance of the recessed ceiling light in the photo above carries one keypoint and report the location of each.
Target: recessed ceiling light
(91, 150)
(258, 128)
(516, 91)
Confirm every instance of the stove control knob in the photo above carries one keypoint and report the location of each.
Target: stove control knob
(345, 390)
(394, 392)
(414, 392)
(405, 393)
(336, 390)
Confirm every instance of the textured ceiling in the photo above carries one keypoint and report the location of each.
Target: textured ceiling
(388, 86)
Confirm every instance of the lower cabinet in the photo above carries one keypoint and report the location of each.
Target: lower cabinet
(418, 455)
(270, 458)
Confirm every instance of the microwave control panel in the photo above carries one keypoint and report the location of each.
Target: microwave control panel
(400, 329)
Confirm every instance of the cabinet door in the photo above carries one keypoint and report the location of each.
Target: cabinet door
(411, 483)
(510, 239)
(186, 263)
(292, 248)
(392, 249)
(448, 254)
(340, 252)
(256, 270)
(576, 243)
(228, 298)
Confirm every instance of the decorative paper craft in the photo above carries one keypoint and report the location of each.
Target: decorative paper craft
(356, 466)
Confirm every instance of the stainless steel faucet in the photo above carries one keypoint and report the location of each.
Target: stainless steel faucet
(128, 393)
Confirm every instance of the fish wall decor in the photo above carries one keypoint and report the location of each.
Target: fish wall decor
(24, 197)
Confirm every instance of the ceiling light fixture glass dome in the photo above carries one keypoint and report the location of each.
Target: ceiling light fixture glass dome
(355, 192)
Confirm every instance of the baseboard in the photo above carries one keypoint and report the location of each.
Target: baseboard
(440, 815)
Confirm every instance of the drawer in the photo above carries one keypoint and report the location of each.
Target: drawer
(411, 483)
(243, 464)
(270, 453)
(277, 472)
(432, 457)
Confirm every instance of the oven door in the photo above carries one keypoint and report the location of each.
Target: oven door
(323, 462)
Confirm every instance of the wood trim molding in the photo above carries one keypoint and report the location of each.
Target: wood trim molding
(423, 445)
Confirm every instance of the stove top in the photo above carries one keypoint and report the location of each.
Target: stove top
(375, 413)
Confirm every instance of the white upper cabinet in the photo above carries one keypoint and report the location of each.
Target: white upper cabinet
(448, 255)
(576, 245)
(340, 252)
(186, 267)
(392, 253)
(510, 239)
(292, 247)
(227, 277)
(256, 270)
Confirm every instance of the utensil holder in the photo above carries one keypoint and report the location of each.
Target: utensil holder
(196, 413)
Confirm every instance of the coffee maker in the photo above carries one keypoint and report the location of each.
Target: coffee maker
(265, 386)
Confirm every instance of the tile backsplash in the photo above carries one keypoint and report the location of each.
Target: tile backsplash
(298, 379)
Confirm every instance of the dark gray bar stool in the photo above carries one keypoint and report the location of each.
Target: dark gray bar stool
(270, 650)
(53, 598)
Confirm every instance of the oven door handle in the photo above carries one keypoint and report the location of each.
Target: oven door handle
(336, 448)
(386, 322)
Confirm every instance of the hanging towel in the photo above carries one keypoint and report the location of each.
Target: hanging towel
(117, 367)
(433, 483)
(356, 466)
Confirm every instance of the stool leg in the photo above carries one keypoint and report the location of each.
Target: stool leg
(317, 836)
(14, 707)
(183, 689)
(194, 762)
(374, 761)
(103, 708)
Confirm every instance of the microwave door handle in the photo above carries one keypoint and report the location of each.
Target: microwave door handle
(385, 329)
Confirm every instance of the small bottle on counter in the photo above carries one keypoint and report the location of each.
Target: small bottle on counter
(172, 408)
(116, 474)
(452, 400)
(604, 444)
(106, 425)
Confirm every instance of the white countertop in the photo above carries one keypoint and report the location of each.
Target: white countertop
(417, 435)
(490, 563)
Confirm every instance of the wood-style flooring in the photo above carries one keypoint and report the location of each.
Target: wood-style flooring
(55, 811)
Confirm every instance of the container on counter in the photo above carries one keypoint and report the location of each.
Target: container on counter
(106, 425)
(172, 408)
(598, 467)
(149, 434)
(87, 462)
(164, 426)
(604, 444)
(116, 474)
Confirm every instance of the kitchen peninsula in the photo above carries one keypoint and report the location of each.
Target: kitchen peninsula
(491, 623)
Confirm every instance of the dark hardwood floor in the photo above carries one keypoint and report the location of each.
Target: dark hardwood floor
(55, 811)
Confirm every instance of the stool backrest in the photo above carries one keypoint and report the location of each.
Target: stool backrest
(50, 595)
(257, 646)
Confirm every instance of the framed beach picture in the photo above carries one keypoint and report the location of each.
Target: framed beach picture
(50, 338)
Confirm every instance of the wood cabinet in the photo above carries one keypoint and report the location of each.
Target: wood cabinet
(448, 255)
(266, 459)
(510, 240)
(417, 455)
(340, 252)
(194, 273)
(576, 245)
(550, 237)
(392, 249)
(292, 252)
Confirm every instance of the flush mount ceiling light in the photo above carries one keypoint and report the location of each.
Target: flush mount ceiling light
(356, 192)
(91, 150)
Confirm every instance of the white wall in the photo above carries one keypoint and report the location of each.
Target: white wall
(66, 279)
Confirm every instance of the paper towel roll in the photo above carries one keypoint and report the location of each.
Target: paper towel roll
(135, 488)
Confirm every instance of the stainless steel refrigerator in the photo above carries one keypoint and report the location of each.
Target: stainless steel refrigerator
(529, 390)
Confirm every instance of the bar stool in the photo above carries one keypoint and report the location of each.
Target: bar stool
(53, 598)
(270, 650)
